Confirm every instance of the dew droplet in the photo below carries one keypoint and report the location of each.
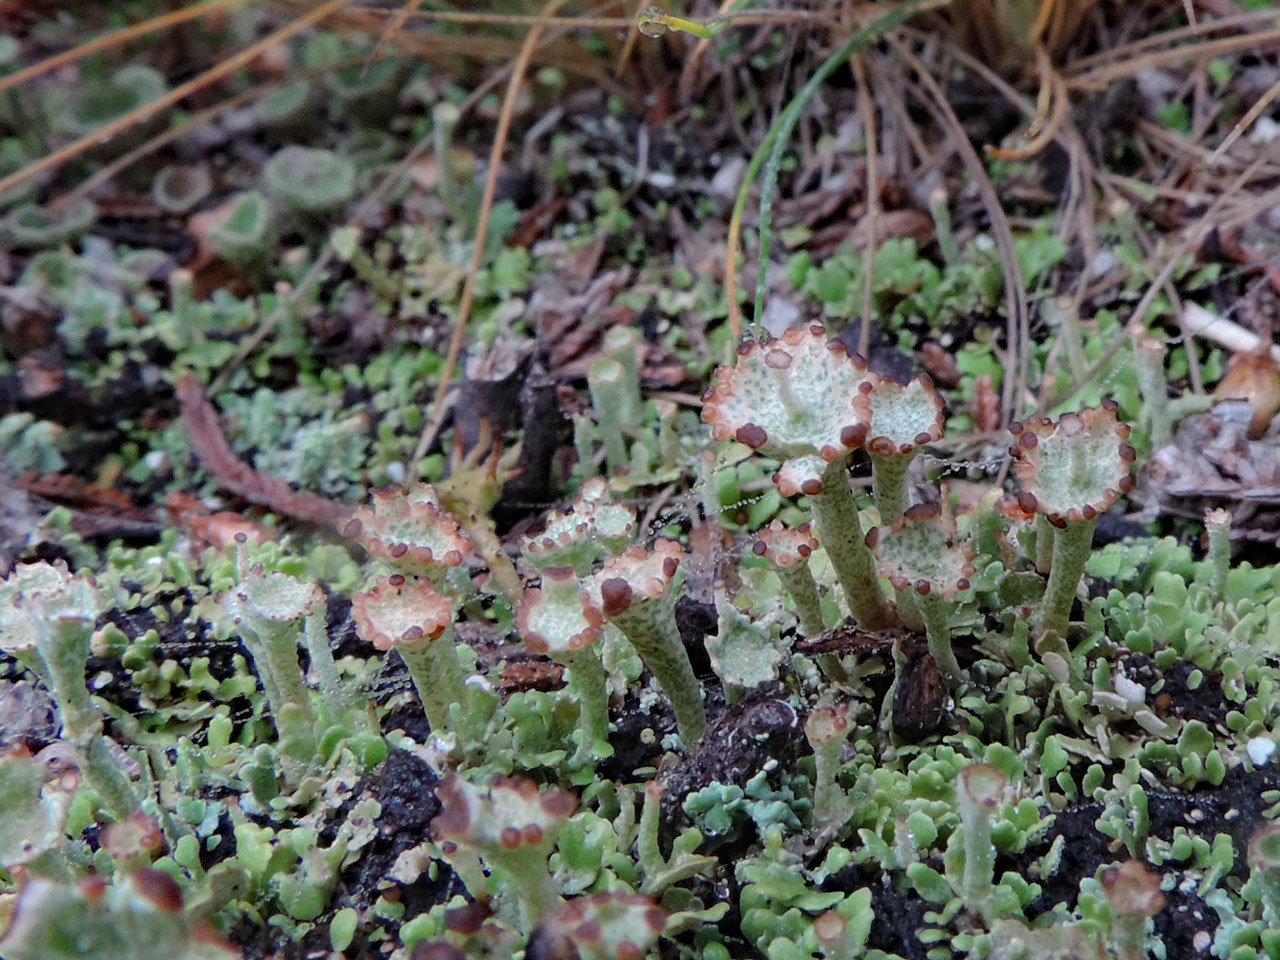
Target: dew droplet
(650, 23)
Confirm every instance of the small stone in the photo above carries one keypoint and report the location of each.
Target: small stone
(1261, 750)
(1134, 692)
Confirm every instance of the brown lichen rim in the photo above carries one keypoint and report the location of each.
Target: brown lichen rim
(1027, 440)
(436, 610)
(580, 921)
(929, 513)
(791, 481)
(539, 643)
(462, 805)
(850, 435)
(882, 445)
(390, 505)
(593, 495)
(783, 546)
(825, 724)
(637, 574)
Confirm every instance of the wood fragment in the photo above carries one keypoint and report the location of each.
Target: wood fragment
(209, 443)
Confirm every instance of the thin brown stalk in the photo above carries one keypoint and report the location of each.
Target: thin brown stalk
(470, 18)
(1176, 35)
(1101, 76)
(1042, 137)
(628, 45)
(1245, 122)
(394, 26)
(1017, 325)
(695, 57)
(177, 94)
(362, 210)
(109, 170)
(436, 415)
(116, 38)
(867, 108)
(1210, 219)
(1177, 146)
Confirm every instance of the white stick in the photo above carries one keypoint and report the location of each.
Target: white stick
(1198, 321)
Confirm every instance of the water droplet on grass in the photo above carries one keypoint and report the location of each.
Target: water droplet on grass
(650, 23)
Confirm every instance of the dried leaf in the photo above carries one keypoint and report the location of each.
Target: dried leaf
(985, 407)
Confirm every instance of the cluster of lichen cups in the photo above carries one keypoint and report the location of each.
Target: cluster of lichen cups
(803, 400)
(564, 609)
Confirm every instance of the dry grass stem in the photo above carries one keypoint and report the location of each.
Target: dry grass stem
(436, 415)
(1245, 123)
(176, 95)
(116, 38)
(867, 108)
(1017, 328)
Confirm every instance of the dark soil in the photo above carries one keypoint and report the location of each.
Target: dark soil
(404, 786)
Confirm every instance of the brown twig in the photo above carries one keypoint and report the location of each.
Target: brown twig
(209, 443)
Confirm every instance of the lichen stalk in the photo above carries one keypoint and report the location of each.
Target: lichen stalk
(889, 484)
(1217, 524)
(513, 825)
(657, 640)
(586, 674)
(607, 383)
(908, 608)
(437, 675)
(64, 651)
(1071, 546)
(1134, 895)
(1148, 353)
(826, 729)
(978, 791)
(1044, 545)
(622, 344)
(274, 648)
(835, 515)
(798, 581)
(936, 613)
(104, 776)
(647, 850)
(334, 694)
(527, 866)
(1264, 871)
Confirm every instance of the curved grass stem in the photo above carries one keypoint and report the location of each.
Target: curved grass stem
(774, 144)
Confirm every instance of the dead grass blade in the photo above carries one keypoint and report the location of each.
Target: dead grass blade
(1017, 328)
(1177, 35)
(467, 17)
(176, 95)
(363, 209)
(116, 38)
(1042, 130)
(394, 26)
(1100, 76)
(1245, 123)
(435, 416)
(109, 170)
(773, 145)
(1209, 220)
